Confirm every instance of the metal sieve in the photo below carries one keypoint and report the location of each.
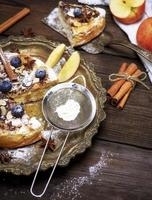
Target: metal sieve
(55, 97)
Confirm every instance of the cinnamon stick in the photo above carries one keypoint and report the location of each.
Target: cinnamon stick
(123, 67)
(117, 85)
(111, 90)
(14, 19)
(124, 88)
(11, 74)
(123, 101)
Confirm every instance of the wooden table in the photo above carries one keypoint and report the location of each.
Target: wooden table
(118, 166)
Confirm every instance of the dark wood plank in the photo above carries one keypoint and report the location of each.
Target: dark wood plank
(131, 126)
(105, 171)
(122, 172)
(39, 9)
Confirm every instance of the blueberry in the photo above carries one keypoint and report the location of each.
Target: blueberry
(40, 73)
(77, 12)
(17, 111)
(16, 62)
(5, 86)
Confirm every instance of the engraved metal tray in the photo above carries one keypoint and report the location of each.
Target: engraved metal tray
(24, 160)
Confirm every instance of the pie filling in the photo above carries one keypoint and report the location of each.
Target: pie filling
(30, 72)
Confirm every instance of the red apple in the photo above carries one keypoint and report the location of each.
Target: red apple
(127, 11)
(144, 34)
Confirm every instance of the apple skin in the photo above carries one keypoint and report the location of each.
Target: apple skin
(135, 15)
(144, 34)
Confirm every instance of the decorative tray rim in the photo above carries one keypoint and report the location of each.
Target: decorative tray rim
(101, 98)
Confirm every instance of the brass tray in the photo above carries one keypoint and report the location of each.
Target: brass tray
(24, 160)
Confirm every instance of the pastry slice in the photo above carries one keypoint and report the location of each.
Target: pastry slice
(34, 78)
(20, 125)
(81, 23)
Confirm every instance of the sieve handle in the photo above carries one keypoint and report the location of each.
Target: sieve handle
(52, 172)
(79, 76)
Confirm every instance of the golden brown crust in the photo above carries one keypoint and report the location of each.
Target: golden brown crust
(83, 29)
(35, 93)
(14, 140)
(14, 135)
(93, 32)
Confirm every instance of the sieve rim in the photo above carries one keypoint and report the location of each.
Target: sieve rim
(77, 87)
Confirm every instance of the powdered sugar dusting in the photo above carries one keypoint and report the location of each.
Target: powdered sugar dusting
(96, 169)
(22, 154)
(71, 187)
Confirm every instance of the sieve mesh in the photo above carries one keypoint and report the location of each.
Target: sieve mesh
(60, 96)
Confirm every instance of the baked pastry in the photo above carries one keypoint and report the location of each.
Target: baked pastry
(81, 22)
(34, 78)
(21, 118)
(20, 124)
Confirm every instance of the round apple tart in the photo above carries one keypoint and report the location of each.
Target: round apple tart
(21, 118)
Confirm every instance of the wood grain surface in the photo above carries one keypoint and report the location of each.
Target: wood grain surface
(118, 166)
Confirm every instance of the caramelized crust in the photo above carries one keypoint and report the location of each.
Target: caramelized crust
(36, 93)
(83, 28)
(13, 137)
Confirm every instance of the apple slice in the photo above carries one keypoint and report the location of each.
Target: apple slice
(55, 55)
(119, 8)
(70, 67)
(134, 3)
(127, 11)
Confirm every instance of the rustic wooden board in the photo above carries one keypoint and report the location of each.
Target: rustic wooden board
(138, 108)
(124, 171)
(106, 171)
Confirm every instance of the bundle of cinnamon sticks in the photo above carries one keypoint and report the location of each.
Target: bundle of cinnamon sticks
(121, 88)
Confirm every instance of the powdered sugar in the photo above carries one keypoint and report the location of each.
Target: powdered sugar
(57, 68)
(96, 169)
(71, 187)
(56, 136)
(22, 154)
(51, 19)
(68, 111)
